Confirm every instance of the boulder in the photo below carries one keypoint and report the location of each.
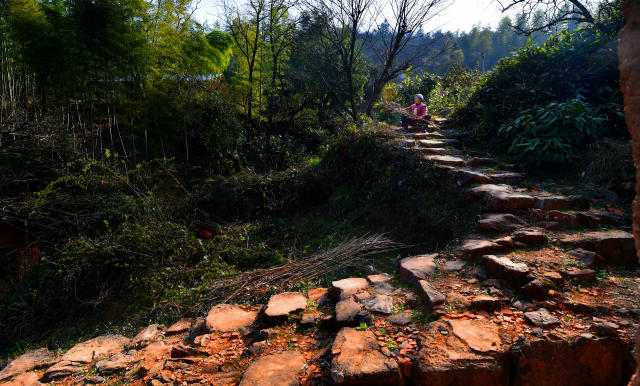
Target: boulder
(431, 296)
(359, 361)
(414, 268)
(505, 268)
(181, 326)
(25, 379)
(280, 369)
(230, 317)
(343, 289)
(501, 222)
(309, 319)
(542, 318)
(35, 359)
(149, 334)
(282, 305)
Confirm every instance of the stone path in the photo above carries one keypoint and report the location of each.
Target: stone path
(542, 292)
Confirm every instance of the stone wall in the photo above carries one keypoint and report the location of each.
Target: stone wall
(629, 52)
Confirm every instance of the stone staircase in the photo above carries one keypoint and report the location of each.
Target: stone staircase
(543, 292)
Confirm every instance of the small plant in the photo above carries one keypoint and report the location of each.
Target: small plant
(392, 345)
(382, 331)
(397, 308)
(362, 327)
(554, 133)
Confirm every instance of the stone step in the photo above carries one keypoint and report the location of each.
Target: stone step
(501, 222)
(435, 150)
(593, 218)
(445, 160)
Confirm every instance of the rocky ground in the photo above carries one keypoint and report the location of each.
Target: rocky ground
(543, 293)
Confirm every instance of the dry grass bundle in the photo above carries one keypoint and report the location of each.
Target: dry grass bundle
(349, 254)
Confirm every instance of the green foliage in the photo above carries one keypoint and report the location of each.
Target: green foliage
(415, 84)
(363, 327)
(452, 89)
(539, 74)
(554, 134)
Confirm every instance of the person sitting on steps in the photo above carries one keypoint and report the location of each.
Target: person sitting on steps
(418, 111)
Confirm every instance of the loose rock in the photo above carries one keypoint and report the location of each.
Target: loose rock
(230, 317)
(542, 318)
(282, 305)
(431, 296)
(343, 289)
(359, 360)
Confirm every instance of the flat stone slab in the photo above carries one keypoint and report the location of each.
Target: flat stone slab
(466, 177)
(282, 305)
(230, 317)
(431, 143)
(503, 197)
(561, 203)
(445, 160)
(616, 247)
(381, 304)
(482, 161)
(475, 248)
(530, 237)
(97, 348)
(435, 150)
(430, 294)
(343, 289)
(478, 334)
(501, 222)
(461, 352)
(505, 268)
(275, 370)
(486, 303)
(542, 318)
(588, 258)
(379, 278)
(359, 361)
(181, 326)
(31, 360)
(420, 267)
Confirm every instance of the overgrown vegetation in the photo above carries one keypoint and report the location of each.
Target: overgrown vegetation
(139, 252)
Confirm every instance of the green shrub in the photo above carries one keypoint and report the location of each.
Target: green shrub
(452, 89)
(536, 75)
(415, 84)
(555, 133)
